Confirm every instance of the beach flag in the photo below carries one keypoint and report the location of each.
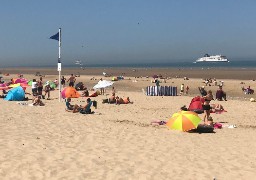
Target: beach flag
(55, 37)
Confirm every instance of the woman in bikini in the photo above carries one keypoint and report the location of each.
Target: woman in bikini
(206, 105)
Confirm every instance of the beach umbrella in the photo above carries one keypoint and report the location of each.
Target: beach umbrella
(184, 121)
(70, 92)
(103, 84)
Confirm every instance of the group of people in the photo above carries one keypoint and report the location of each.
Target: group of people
(210, 82)
(207, 107)
(38, 87)
(118, 100)
(220, 94)
(71, 80)
(248, 90)
(86, 109)
(183, 89)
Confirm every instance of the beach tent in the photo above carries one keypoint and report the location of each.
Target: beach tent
(30, 83)
(20, 80)
(196, 105)
(70, 92)
(15, 94)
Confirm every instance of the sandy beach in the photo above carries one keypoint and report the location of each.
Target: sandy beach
(119, 142)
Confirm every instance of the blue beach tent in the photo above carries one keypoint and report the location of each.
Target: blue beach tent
(15, 94)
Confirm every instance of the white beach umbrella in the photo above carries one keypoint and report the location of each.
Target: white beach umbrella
(103, 84)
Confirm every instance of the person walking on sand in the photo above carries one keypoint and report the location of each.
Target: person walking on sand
(71, 80)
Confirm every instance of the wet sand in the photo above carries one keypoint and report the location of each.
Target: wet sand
(219, 73)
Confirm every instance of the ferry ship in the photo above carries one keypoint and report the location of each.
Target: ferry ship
(216, 58)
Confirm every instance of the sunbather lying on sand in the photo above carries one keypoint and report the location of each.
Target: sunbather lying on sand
(216, 107)
(123, 101)
(158, 122)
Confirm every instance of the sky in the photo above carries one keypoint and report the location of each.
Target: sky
(125, 32)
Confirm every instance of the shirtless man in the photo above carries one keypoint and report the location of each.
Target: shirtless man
(71, 80)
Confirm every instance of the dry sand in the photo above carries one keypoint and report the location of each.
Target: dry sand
(120, 143)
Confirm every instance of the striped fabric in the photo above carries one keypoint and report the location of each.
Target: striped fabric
(161, 91)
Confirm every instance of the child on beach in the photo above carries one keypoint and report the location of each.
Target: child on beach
(37, 101)
(47, 90)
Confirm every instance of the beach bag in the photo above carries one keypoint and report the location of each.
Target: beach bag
(201, 128)
(85, 112)
(104, 101)
(94, 104)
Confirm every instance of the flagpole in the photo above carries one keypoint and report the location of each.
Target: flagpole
(59, 64)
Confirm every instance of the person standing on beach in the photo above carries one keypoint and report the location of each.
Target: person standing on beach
(187, 88)
(47, 90)
(71, 80)
(63, 81)
(34, 87)
(206, 105)
(40, 86)
(113, 91)
(181, 89)
(102, 90)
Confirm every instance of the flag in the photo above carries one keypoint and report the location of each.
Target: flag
(55, 37)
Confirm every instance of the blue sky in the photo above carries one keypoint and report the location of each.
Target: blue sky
(121, 31)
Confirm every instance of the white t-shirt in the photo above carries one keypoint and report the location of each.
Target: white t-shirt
(34, 85)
